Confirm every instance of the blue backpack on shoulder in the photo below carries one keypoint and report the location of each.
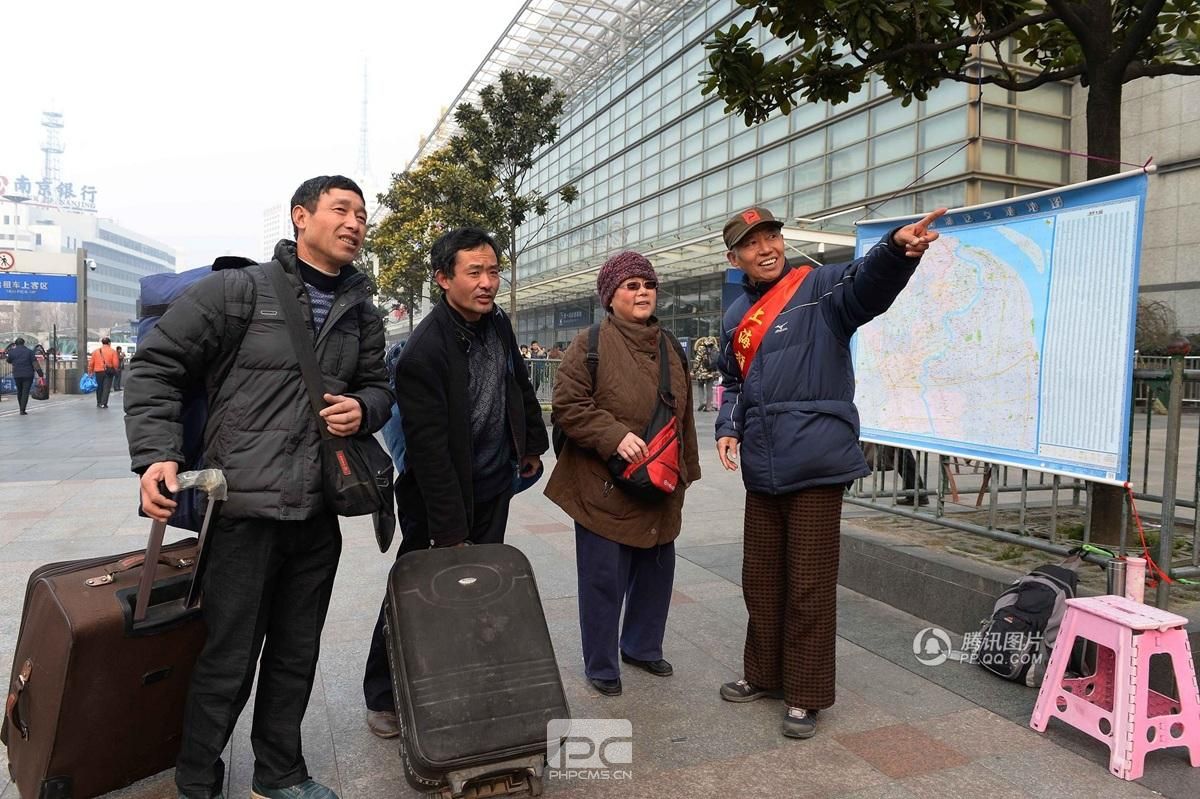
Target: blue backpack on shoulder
(157, 293)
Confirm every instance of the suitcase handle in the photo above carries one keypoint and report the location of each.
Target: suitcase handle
(132, 562)
(12, 708)
(211, 482)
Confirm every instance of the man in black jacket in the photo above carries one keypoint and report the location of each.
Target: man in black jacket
(274, 549)
(24, 365)
(471, 423)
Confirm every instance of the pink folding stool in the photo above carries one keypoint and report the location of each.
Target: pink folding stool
(1115, 705)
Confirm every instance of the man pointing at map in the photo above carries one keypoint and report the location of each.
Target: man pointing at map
(789, 412)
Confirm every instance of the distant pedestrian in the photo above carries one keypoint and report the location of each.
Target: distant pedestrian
(103, 366)
(704, 368)
(24, 366)
(120, 370)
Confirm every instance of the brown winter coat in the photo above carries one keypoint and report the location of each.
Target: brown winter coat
(626, 383)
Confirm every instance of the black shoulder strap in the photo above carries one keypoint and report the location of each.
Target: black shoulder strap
(301, 341)
(593, 351)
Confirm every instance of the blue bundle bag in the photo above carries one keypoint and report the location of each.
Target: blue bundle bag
(87, 383)
(157, 293)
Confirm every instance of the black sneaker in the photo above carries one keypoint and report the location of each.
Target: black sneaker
(799, 723)
(908, 500)
(743, 691)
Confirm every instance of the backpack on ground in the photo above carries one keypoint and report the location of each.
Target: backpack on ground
(157, 293)
(1016, 641)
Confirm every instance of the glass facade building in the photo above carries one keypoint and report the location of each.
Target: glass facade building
(660, 167)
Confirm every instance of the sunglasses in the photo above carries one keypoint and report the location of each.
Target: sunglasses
(635, 286)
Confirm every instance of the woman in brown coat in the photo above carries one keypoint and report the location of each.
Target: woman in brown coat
(624, 546)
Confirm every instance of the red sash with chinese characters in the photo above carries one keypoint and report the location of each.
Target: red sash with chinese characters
(758, 320)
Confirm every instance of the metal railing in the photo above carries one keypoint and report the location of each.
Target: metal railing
(1046, 512)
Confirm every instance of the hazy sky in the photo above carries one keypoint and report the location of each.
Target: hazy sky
(191, 119)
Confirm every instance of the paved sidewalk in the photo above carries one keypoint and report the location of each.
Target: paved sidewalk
(898, 729)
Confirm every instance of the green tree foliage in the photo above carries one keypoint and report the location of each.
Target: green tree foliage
(498, 139)
(441, 192)
(828, 49)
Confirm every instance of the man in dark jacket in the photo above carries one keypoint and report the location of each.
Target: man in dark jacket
(471, 421)
(789, 407)
(24, 365)
(274, 550)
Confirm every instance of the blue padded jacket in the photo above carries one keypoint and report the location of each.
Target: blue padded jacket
(794, 412)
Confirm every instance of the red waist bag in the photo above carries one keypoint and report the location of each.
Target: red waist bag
(656, 475)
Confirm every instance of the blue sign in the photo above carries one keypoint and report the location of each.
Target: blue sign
(37, 288)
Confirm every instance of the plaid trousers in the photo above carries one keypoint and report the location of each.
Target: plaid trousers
(789, 581)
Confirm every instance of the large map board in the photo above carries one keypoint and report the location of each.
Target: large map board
(1013, 342)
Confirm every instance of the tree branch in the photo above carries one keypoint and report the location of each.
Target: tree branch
(1016, 85)
(1068, 15)
(1136, 36)
(1140, 69)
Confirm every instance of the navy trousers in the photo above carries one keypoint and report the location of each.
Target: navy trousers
(611, 574)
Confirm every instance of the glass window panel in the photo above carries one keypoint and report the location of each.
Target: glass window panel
(956, 162)
(670, 155)
(997, 122)
(714, 112)
(693, 123)
(952, 196)
(772, 160)
(691, 191)
(671, 135)
(810, 146)
(848, 191)
(1041, 130)
(689, 215)
(744, 196)
(1052, 98)
(995, 158)
(897, 144)
(716, 207)
(807, 114)
(743, 172)
(893, 177)
(772, 131)
(669, 221)
(716, 133)
(991, 192)
(650, 184)
(670, 175)
(892, 115)
(744, 142)
(847, 131)
(1041, 165)
(692, 167)
(848, 161)
(810, 201)
(773, 186)
(717, 181)
(949, 127)
(950, 93)
(716, 155)
(692, 145)
(808, 173)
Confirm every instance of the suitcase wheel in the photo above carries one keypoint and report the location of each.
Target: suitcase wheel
(513, 784)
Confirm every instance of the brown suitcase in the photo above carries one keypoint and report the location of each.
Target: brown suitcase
(98, 685)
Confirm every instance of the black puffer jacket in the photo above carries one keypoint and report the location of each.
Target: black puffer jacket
(24, 362)
(261, 429)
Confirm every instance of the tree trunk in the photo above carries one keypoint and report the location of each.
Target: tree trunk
(1104, 140)
(512, 278)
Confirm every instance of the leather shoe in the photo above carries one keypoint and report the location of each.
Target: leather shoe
(606, 687)
(659, 668)
(383, 723)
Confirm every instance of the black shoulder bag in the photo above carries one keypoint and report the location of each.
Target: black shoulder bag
(356, 471)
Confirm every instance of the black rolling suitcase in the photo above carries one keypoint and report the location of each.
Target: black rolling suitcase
(473, 670)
